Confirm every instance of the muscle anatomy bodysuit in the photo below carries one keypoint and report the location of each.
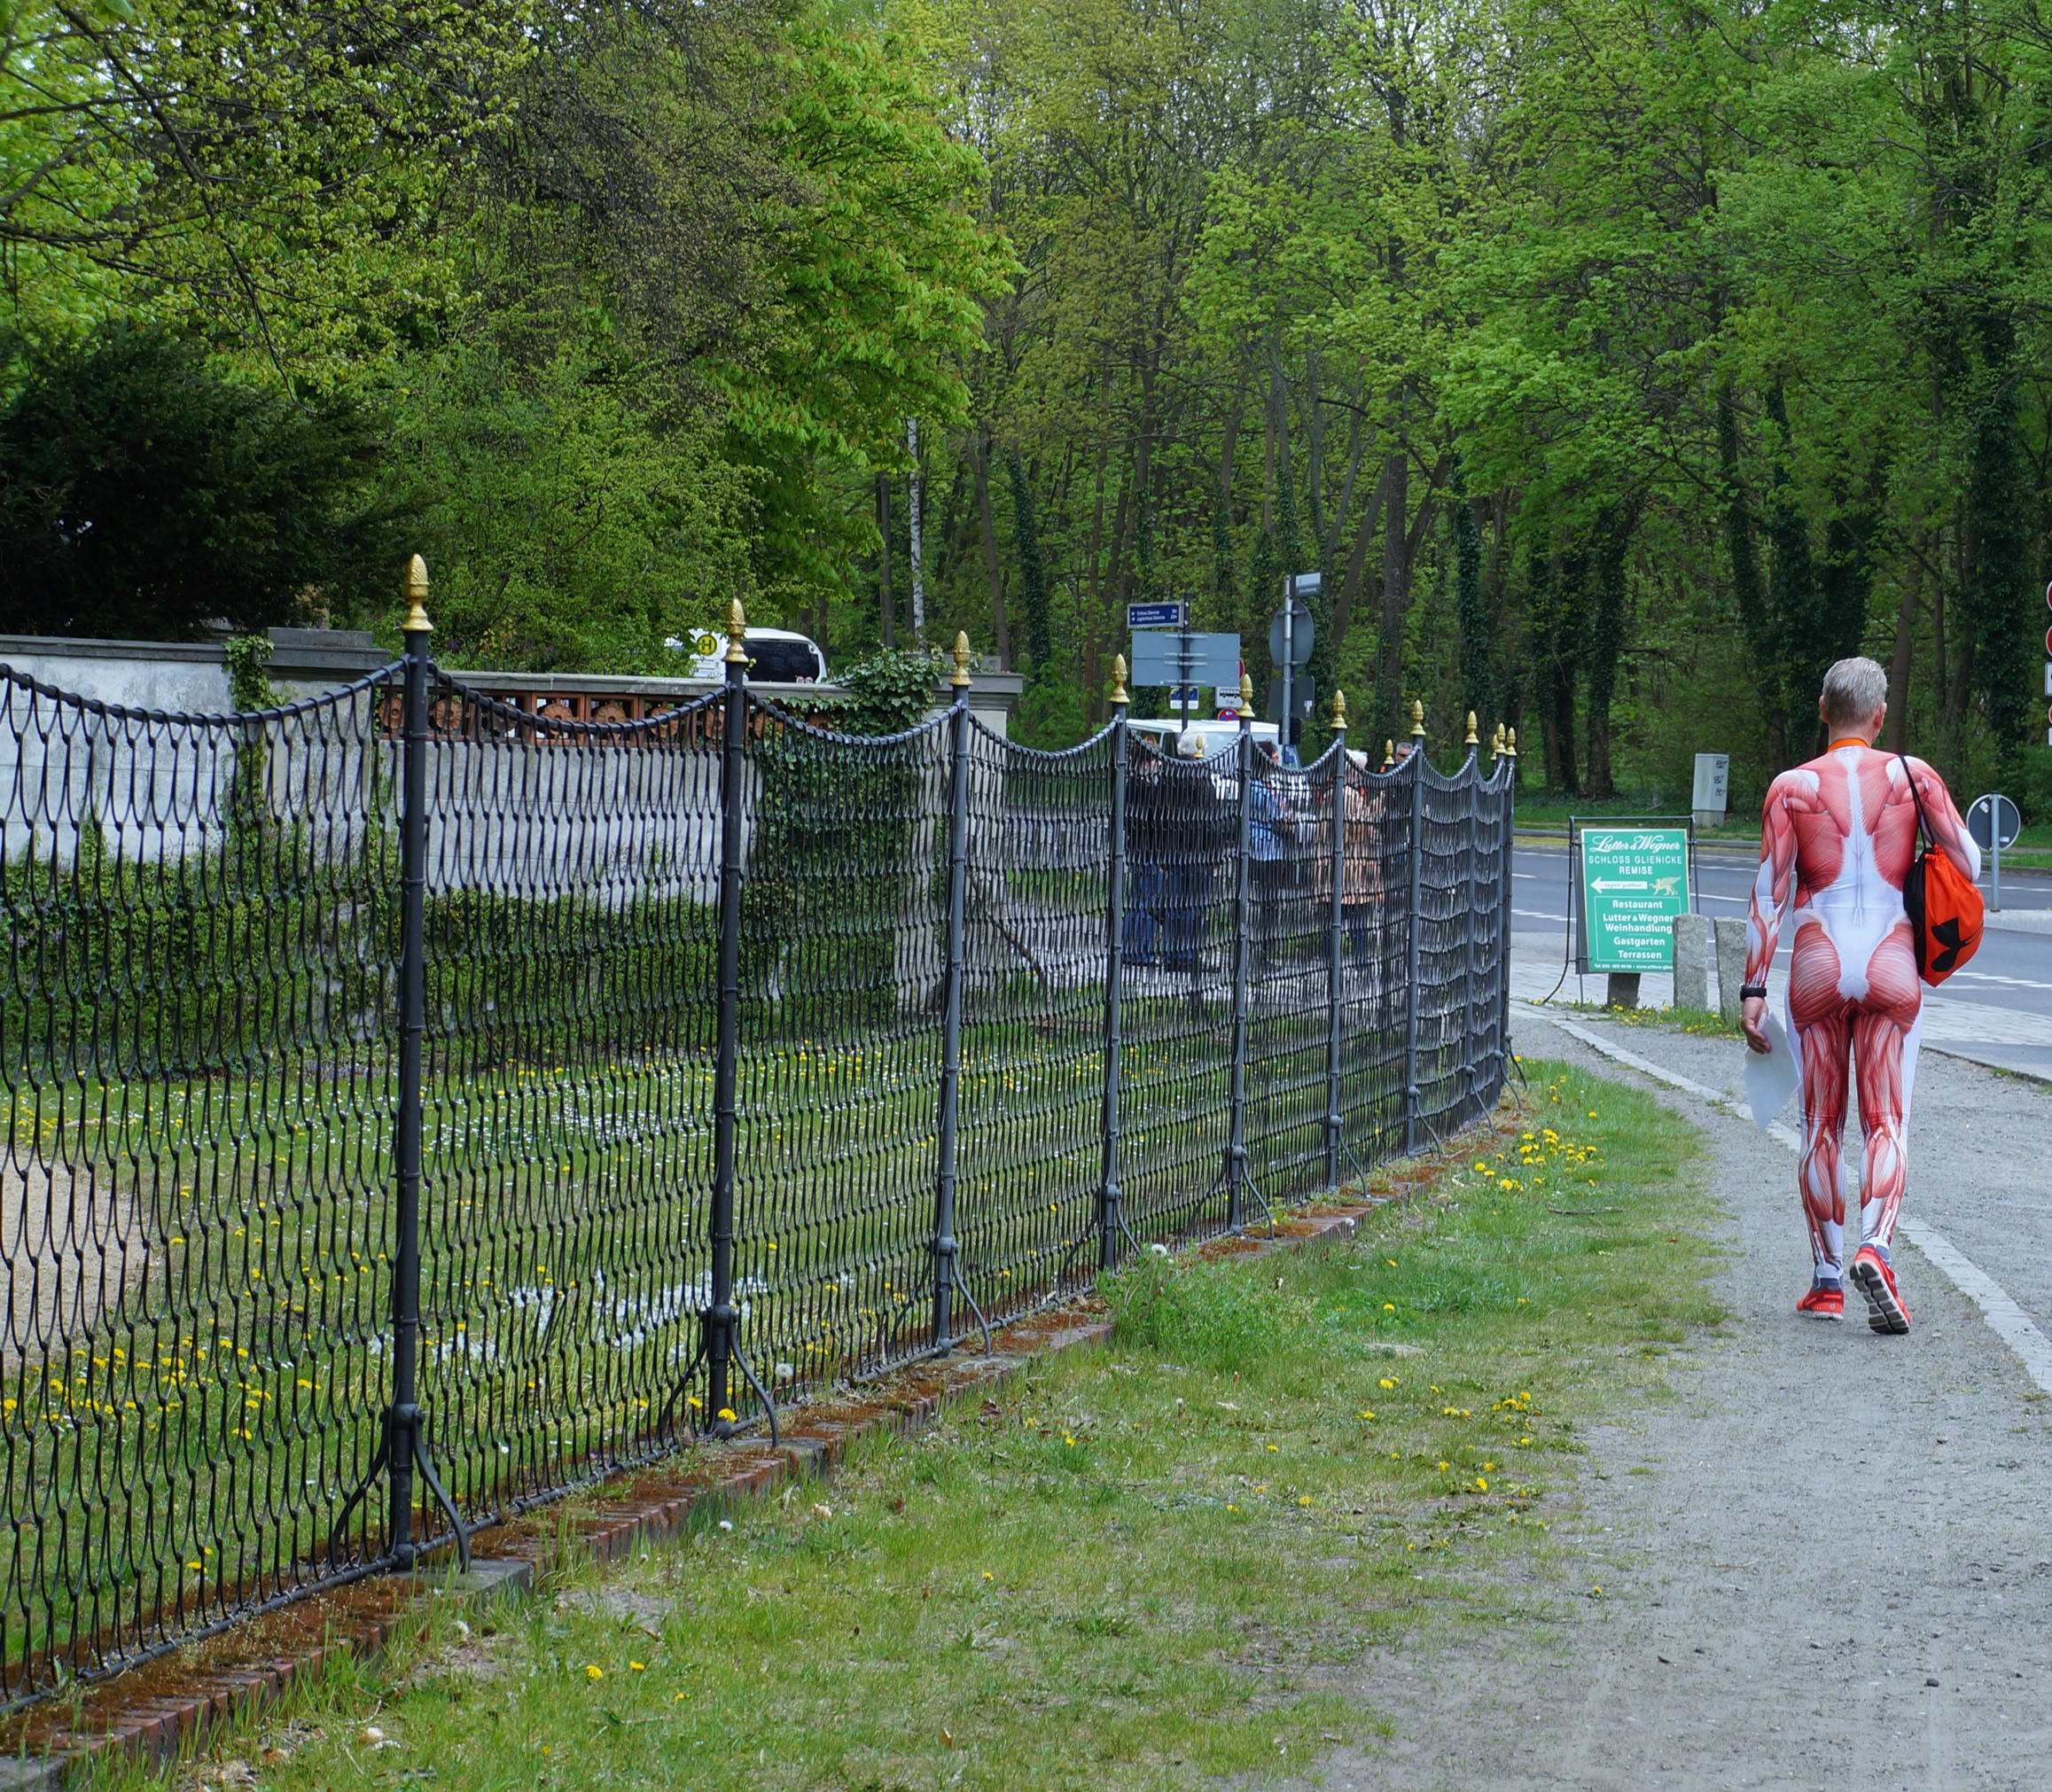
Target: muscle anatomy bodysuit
(1837, 837)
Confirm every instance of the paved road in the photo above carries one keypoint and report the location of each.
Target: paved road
(1997, 1010)
(1827, 1563)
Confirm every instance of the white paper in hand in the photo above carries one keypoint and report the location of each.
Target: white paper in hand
(1771, 1078)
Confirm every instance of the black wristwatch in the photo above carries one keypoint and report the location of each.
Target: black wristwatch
(1750, 989)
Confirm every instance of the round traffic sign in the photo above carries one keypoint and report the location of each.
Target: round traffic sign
(1300, 638)
(1993, 818)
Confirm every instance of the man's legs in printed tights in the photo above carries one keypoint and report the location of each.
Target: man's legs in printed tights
(1819, 1028)
(1886, 1027)
(1823, 1046)
(1886, 1030)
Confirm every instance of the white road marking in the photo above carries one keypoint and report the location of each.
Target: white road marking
(2011, 982)
(1539, 915)
(2007, 1319)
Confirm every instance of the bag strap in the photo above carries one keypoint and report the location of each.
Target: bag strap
(1923, 821)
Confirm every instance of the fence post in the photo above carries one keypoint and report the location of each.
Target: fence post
(1237, 1130)
(719, 1317)
(1471, 909)
(944, 1245)
(1110, 1220)
(403, 1447)
(1504, 945)
(1417, 854)
(1333, 970)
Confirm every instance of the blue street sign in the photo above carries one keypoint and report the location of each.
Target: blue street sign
(1155, 615)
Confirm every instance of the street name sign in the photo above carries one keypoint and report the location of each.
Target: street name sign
(1634, 881)
(1155, 615)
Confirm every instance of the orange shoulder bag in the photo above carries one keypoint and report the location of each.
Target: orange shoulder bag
(1941, 900)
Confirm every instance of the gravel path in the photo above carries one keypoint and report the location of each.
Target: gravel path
(1828, 1563)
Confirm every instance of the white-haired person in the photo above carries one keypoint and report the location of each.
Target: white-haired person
(1838, 838)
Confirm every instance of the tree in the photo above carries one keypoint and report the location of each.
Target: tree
(142, 494)
(270, 172)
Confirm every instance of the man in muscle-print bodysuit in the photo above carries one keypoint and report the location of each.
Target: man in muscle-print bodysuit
(1837, 837)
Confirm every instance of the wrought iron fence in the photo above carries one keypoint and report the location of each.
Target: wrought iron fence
(420, 1106)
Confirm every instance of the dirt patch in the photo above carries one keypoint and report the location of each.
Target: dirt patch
(623, 1604)
(475, 1656)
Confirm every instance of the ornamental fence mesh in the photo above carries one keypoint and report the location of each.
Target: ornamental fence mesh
(408, 1079)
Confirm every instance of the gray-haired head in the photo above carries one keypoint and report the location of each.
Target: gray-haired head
(1854, 690)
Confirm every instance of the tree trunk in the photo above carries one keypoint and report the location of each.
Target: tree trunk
(1269, 427)
(1994, 596)
(1476, 685)
(1797, 607)
(1606, 641)
(1897, 734)
(1000, 634)
(1745, 583)
(1094, 558)
(1356, 566)
(1032, 570)
(886, 615)
(914, 521)
(1396, 592)
(1314, 439)
(1138, 518)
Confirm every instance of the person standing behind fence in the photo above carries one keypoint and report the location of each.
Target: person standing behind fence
(1197, 833)
(1268, 852)
(1147, 826)
(1360, 879)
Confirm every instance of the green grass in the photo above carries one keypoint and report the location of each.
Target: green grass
(1704, 1021)
(1146, 1565)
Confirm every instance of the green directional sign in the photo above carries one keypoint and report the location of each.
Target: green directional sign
(1634, 881)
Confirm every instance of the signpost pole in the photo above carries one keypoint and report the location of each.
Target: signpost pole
(1289, 658)
(1334, 919)
(1995, 835)
(1235, 1134)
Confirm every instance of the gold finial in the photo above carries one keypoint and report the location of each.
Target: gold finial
(736, 632)
(1339, 712)
(1246, 695)
(1118, 679)
(1496, 743)
(1471, 740)
(416, 622)
(960, 678)
(1417, 718)
(1510, 744)
(1388, 754)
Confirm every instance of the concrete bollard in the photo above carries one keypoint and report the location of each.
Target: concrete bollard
(1622, 989)
(1730, 966)
(1691, 961)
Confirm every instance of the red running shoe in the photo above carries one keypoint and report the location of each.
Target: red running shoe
(1885, 1309)
(1822, 1302)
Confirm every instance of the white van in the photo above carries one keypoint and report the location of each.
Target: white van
(1220, 734)
(776, 656)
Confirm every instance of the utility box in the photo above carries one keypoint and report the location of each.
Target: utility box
(1712, 789)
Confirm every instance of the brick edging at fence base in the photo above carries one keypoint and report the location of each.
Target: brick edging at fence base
(174, 1702)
